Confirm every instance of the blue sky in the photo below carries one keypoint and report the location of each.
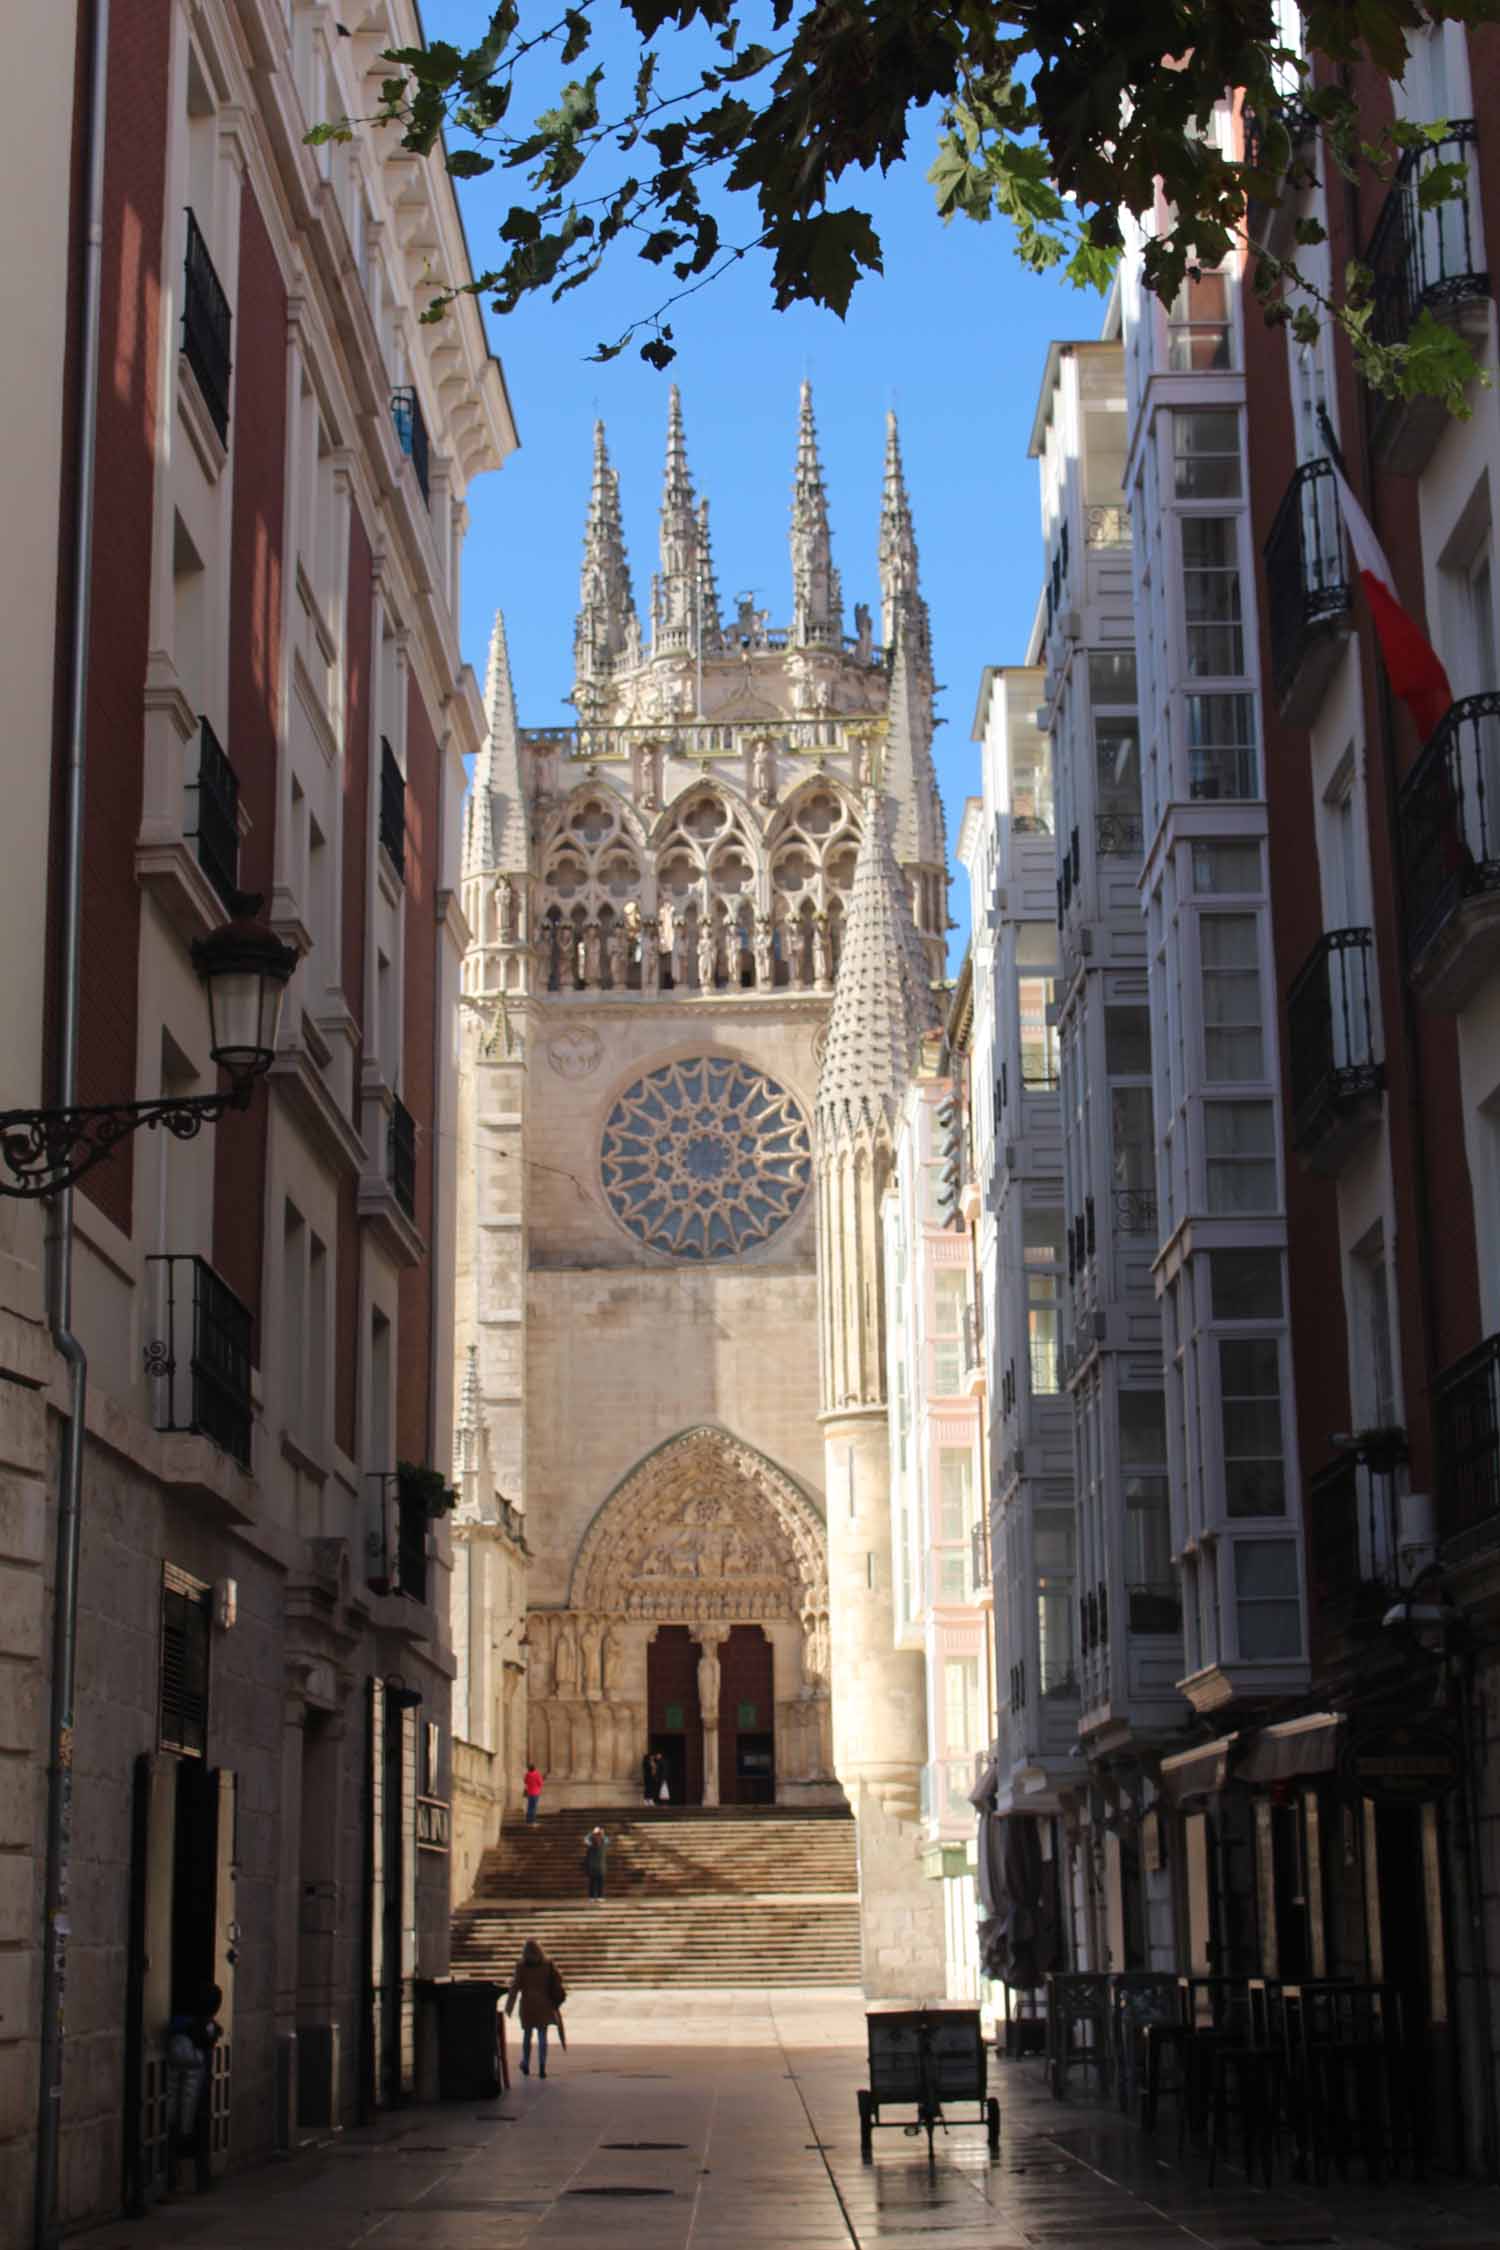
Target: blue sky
(953, 336)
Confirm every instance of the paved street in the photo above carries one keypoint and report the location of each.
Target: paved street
(749, 2100)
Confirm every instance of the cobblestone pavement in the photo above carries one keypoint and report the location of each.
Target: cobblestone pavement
(728, 2120)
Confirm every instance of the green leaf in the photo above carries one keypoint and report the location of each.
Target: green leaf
(468, 164)
(820, 258)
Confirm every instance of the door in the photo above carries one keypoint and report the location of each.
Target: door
(674, 1718)
(385, 1888)
(747, 1758)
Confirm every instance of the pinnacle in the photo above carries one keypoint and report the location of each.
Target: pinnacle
(817, 599)
(883, 1001)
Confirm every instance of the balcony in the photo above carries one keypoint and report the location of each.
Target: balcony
(1307, 592)
(1424, 261)
(392, 809)
(1118, 835)
(1466, 1419)
(1448, 818)
(979, 1560)
(1133, 1211)
(1336, 1071)
(206, 325)
(217, 834)
(401, 1157)
(198, 1363)
(1107, 526)
(411, 434)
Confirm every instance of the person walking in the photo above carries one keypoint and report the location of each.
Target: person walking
(532, 1787)
(538, 1986)
(651, 1776)
(595, 1860)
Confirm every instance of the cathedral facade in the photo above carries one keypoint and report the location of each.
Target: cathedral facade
(706, 923)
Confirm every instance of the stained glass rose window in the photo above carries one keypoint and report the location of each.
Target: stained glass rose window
(704, 1159)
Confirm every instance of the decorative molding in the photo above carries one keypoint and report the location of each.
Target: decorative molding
(576, 1052)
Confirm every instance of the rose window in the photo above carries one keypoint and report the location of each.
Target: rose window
(705, 1159)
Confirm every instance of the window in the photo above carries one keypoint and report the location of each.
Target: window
(948, 1299)
(1211, 596)
(1127, 1042)
(183, 1708)
(1250, 1422)
(1239, 1143)
(1054, 1556)
(1265, 1599)
(293, 1315)
(1221, 747)
(1226, 867)
(1117, 751)
(1042, 1255)
(1132, 1142)
(952, 1584)
(1036, 948)
(1229, 961)
(1198, 333)
(378, 1431)
(1375, 1385)
(1245, 1284)
(432, 1759)
(954, 1493)
(961, 1702)
(1148, 1527)
(1112, 677)
(1206, 454)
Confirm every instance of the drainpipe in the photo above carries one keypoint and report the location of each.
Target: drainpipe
(60, 1220)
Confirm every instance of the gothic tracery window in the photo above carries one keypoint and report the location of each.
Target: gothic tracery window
(591, 874)
(707, 1158)
(812, 873)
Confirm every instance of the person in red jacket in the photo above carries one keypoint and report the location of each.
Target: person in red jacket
(532, 1785)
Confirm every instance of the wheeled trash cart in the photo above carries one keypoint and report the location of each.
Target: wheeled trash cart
(925, 2058)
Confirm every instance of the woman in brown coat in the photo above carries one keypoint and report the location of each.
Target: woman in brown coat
(541, 1992)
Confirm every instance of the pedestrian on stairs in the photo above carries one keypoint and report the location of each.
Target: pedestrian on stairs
(595, 1859)
(653, 1773)
(539, 1987)
(532, 1787)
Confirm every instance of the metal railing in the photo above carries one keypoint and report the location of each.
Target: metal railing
(1107, 526)
(706, 738)
(1331, 1033)
(1060, 1677)
(979, 1559)
(1134, 1210)
(1448, 818)
(1118, 835)
(206, 327)
(973, 1340)
(1466, 1417)
(199, 1361)
(1423, 260)
(411, 1540)
(392, 808)
(411, 433)
(1154, 1608)
(217, 834)
(401, 1157)
(1307, 577)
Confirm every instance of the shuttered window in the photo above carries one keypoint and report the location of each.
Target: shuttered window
(184, 1664)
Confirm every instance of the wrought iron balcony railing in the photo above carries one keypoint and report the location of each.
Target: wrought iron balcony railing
(1307, 577)
(1134, 1211)
(1107, 526)
(206, 326)
(392, 808)
(979, 1559)
(199, 1360)
(1118, 835)
(1449, 820)
(411, 433)
(217, 811)
(1466, 1417)
(1423, 259)
(1332, 1047)
(401, 1157)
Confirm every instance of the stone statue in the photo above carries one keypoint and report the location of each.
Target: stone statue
(649, 787)
(565, 1661)
(815, 1648)
(764, 945)
(617, 953)
(822, 953)
(864, 634)
(679, 948)
(708, 1684)
(763, 771)
(590, 1640)
(612, 1658)
(507, 912)
(708, 965)
(794, 940)
(534, 1639)
(650, 952)
(591, 954)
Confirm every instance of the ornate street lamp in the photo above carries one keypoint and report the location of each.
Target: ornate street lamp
(245, 968)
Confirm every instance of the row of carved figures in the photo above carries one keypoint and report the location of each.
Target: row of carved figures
(578, 1741)
(750, 951)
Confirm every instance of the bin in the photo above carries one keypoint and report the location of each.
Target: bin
(470, 2040)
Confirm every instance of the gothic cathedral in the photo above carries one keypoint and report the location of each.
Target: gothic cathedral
(707, 921)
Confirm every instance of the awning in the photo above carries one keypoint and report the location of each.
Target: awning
(1295, 1746)
(1199, 1772)
(985, 1789)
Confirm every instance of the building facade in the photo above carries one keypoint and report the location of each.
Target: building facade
(673, 1232)
(275, 705)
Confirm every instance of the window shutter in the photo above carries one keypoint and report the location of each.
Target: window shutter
(184, 1665)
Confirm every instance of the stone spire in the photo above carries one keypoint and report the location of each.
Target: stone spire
(495, 834)
(678, 589)
(817, 597)
(898, 541)
(883, 1001)
(467, 1431)
(607, 634)
(713, 630)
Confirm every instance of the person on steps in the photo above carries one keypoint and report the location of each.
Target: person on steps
(532, 1789)
(538, 1986)
(653, 1773)
(595, 1859)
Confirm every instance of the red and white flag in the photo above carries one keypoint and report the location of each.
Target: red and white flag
(1412, 663)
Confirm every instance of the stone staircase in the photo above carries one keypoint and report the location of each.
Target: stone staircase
(698, 1895)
